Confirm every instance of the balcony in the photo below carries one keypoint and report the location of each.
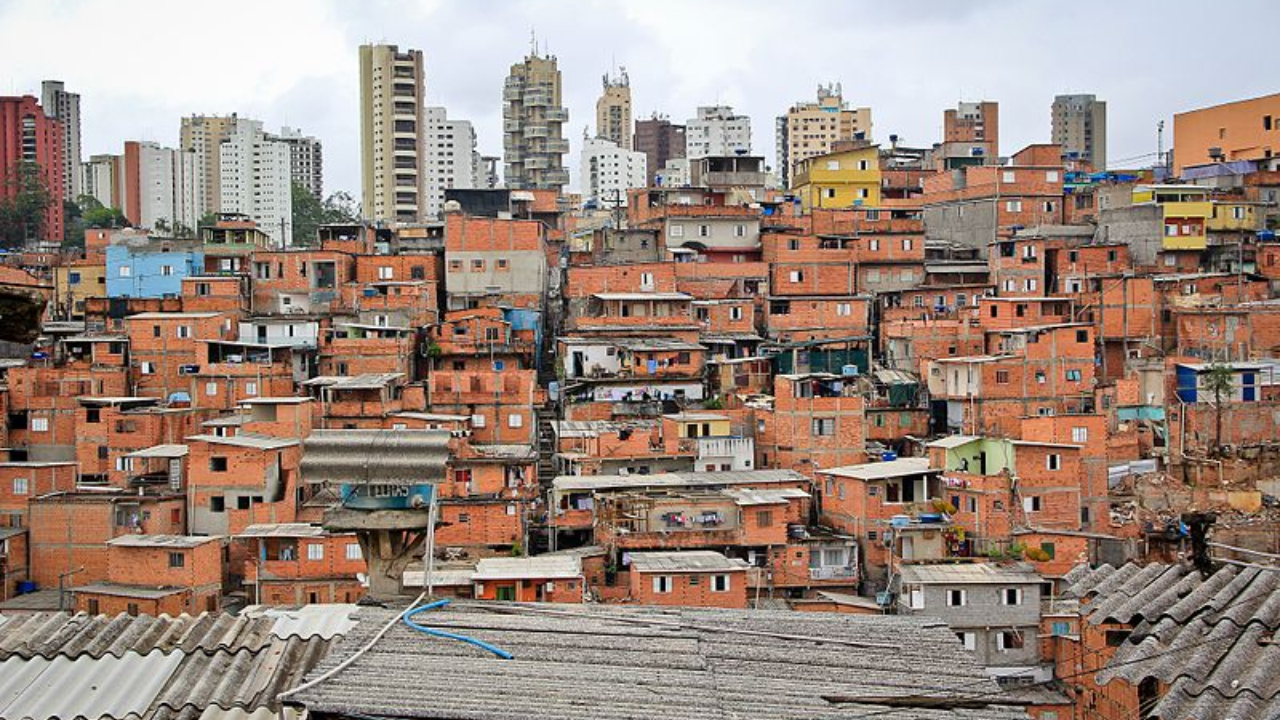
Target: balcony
(556, 114)
(537, 162)
(537, 98)
(557, 146)
(511, 93)
(536, 131)
(832, 572)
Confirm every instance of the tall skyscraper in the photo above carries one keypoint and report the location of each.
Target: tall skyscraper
(660, 141)
(1080, 127)
(717, 132)
(28, 136)
(810, 129)
(306, 160)
(533, 118)
(392, 134)
(975, 124)
(204, 135)
(256, 180)
(450, 160)
(609, 171)
(613, 110)
(160, 187)
(64, 107)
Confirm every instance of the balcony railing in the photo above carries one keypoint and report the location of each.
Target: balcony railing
(833, 572)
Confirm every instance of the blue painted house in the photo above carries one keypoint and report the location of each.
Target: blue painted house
(145, 267)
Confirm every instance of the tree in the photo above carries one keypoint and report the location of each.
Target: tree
(309, 213)
(1219, 380)
(97, 215)
(26, 199)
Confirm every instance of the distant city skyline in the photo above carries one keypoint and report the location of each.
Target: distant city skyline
(908, 62)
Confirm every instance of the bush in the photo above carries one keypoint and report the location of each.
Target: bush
(1037, 555)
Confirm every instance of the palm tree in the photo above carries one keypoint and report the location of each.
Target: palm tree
(1219, 380)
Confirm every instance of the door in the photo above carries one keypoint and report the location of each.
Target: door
(507, 593)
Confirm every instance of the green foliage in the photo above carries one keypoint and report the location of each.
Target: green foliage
(1219, 381)
(96, 215)
(714, 403)
(309, 213)
(22, 211)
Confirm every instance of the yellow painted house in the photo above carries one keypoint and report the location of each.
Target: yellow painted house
(843, 178)
(1185, 210)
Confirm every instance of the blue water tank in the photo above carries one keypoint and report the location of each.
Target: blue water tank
(849, 370)
(888, 455)
(27, 586)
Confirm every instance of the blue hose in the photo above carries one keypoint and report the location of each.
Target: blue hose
(451, 636)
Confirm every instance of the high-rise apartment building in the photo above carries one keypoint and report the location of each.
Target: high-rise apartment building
(660, 141)
(204, 135)
(306, 160)
(159, 187)
(717, 132)
(1080, 127)
(533, 118)
(29, 136)
(613, 110)
(810, 129)
(101, 178)
(64, 107)
(256, 180)
(392, 134)
(974, 124)
(450, 160)
(609, 171)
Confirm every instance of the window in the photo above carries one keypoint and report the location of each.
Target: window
(740, 231)
(833, 164)
(1002, 377)
(1073, 375)
(1082, 336)
(1006, 641)
(824, 426)
(251, 388)
(735, 313)
(477, 421)
(1079, 434)
(1011, 596)
(844, 309)
(177, 560)
(704, 231)
(39, 424)
(515, 420)
(217, 504)
(1059, 628)
(184, 331)
(217, 464)
(906, 244)
(829, 193)
(166, 270)
(1051, 176)
(956, 598)
(315, 551)
(662, 584)
(1053, 461)
(1048, 206)
(1013, 205)
(1030, 285)
(353, 551)
(764, 518)
(862, 164)
(477, 265)
(1031, 504)
(93, 607)
(719, 583)
(21, 486)
(970, 640)
(646, 280)
(797, 276)
(1008, 176)
(386, 272)
(873, 244)
(132, 609)
(211, 389)
(126, 271)
(675, 231)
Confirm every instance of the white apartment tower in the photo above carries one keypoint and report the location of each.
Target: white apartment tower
(256, 179)
(609, 171)
(449, 157)
(717, 132)
(64, 107)
(167, 189)
(392, 93)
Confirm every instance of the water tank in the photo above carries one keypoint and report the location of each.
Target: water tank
(27, 586)
(900, 521)
(848, 370)
(888, 456)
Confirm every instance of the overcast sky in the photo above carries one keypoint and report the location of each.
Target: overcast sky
(140, 65)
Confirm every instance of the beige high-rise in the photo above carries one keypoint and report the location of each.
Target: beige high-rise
(392, 134)
(810, 129)
(613, 110)
(533, 118)
(204, 135)
(1080, 127)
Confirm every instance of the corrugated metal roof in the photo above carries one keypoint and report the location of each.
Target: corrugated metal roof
(623, 663)
(161, 451)
(686, 561)
(882, 470)
(50, 634)
(322, 620)
(969, 574)
(173, 541)
(542, 566)
(375, 456)
(86, 687)
(286, 530)
(247, 440)
(1208, 639)
(141, 592)
(764, 496)
(565, 483)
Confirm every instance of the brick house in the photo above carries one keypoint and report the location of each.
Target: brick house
(697, 578)
(546, 578)
(300, 564)
(156, 574)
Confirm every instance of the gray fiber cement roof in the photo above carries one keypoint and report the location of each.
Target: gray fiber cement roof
(621, 663)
